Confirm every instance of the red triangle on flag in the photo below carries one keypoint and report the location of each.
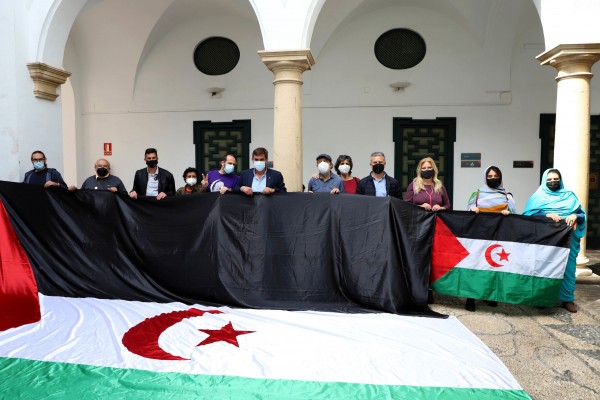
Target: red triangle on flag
(19, 300)
(447, 251)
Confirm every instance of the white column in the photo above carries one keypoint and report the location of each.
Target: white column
(572, 136)
(288, 67)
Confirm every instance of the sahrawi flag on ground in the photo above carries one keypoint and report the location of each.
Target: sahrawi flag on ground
(91, 348)
(511, 259)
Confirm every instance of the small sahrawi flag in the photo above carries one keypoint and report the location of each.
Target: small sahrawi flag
(91, 348)
(512, 259)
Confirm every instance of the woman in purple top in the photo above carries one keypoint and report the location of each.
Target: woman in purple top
(426, 190)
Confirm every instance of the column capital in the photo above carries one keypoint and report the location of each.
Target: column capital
(572, 60)
(46, 80)
(301, 60)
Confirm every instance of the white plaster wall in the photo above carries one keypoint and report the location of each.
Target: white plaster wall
(9, 145)
(573, 21)
(349, 106)
(26, 122)
(146, 93)
(136, 93)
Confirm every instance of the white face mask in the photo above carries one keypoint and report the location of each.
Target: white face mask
(323, 167)
(344, 168)
(229, 168)
(259, 165)
(191, 181)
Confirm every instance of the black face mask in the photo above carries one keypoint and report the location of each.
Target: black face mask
(493, 183)
(427, 174)
(102, 172)
(553, 185)
(152, 163)
(378, 168)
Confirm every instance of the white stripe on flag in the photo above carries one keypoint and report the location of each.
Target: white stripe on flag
(521, 258)
(381, 349)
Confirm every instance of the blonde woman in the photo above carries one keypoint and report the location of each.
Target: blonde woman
(426, 190)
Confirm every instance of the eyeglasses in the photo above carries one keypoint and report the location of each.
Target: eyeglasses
(37, 159)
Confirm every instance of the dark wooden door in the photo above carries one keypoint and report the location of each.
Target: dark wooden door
(213, 140)
(547, 129)
(415, 139)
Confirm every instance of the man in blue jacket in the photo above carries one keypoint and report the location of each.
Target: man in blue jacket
(378, 183)
(260, 179)
(41, 174)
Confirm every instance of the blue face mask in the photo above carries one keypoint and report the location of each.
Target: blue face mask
(39, 165)
(229, 168)
(259, 165)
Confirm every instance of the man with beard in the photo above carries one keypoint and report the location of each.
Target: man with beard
(152, 181)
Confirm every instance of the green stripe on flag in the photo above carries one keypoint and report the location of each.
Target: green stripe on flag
(26, 379)
(500, 286)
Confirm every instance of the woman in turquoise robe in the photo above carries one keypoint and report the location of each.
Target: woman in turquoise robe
(553, 201)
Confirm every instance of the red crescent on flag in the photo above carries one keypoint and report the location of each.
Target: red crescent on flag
(142, 339)
(488, 256)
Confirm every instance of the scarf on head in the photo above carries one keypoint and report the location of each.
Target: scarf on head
(488, 199)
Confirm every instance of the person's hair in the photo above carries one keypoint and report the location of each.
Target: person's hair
(104, 159)
(227, 155)
(38, 151)
(339, 160)
(437, 184)
(377, 154)
(150, 150)
(496, 170)
(188, 170)
(260, 151)
(555, 171)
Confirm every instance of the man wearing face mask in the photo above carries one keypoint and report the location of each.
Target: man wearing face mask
(190, 176)
(378, 183)
(103, 180)
(152, 181)
(326, 182)
(260, 179)
(42, 175)
(223, 180)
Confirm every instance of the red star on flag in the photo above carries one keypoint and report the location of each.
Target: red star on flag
(226, 334)
(503, 255)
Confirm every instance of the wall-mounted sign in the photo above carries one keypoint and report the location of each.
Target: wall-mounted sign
(108, 149)
(470, 160)
(522, 164)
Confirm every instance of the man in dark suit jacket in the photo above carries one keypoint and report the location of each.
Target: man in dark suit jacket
(378, 183)
(152, 181)
(260, 179)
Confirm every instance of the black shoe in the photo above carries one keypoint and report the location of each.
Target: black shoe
(492, 303)
(430, 299)
(470, 305)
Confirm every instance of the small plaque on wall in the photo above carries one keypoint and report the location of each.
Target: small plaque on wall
(522, 164)
(470, 160)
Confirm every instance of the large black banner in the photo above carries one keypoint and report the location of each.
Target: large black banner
(285, 251)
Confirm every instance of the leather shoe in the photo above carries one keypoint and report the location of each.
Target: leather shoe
(470, 305)
(570, 306)
(492, 303)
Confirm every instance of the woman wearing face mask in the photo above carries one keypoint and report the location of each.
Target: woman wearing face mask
(426, 190)
(491, 197)
(190, 176)
(551, 200)
(343, 166)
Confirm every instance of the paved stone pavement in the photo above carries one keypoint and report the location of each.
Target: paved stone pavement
(553, 354)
